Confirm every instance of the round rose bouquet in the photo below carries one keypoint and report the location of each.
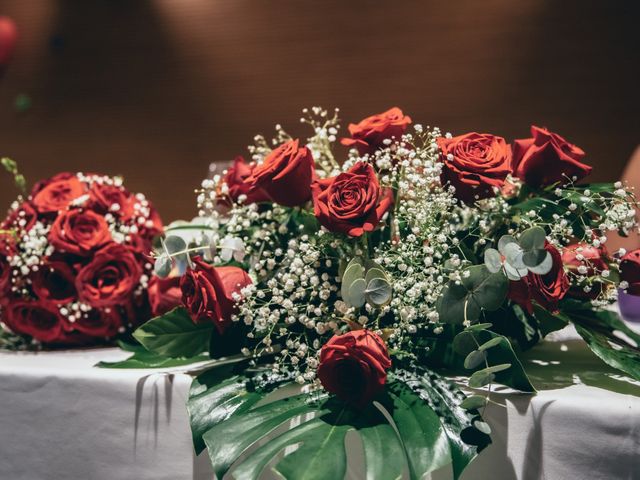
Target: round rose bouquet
(352, 286)
(74, 260)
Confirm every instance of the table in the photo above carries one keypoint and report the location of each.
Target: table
(61, 418)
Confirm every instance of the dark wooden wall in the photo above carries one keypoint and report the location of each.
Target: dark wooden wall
(156, 90)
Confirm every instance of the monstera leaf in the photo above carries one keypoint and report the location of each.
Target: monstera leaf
(233, 418)
(174, 334)
(608, 337)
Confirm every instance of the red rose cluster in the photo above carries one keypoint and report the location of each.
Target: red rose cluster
(351, 203)
(73, 260)
(475, 163)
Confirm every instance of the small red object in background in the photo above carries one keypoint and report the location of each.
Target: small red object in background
(8, 36)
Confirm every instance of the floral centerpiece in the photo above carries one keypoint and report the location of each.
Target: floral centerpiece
(350, 287)
(74, 261)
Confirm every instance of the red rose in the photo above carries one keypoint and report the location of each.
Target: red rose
(103, 197)
(54, 283)
(474, 163)
(520, 294)
(58, 194)
(630, 271)
(79, 232)
(547, 290)
(207, 292)
(105, 322)
(36, 319)
(285, 175)
(235, 180)
(110, 277)
(354, 366)
(369, 135)
(22, 218)
(593, 259)
(352, 202)
(164, 294)
(547, 158)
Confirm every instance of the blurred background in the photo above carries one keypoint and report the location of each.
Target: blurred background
(157, 90)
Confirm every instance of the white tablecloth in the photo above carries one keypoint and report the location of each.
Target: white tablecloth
(62, 419)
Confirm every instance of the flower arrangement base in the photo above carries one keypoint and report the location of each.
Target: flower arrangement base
(131, 423)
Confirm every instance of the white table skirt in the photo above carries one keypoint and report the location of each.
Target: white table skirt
(60, 418)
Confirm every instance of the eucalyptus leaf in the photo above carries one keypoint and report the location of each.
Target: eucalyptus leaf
(474, 402)
(474, 359)
(532, 239)
(378, 292)
(174, 244)
(544, 267)
(356, 293)
(479, 326)
(163, 266)
(504, 241)
(492, 260)
(482, 426)
(490, 343)
(375, 273)
(481, 378)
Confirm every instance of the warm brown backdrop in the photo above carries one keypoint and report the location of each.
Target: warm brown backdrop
(156, 90)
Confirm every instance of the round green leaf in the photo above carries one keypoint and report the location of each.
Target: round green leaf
(479, 326)
(375, 273)
(162, 266)
(532, 239)
(474, 402)
(356, 293)
(481, 378)
(474, 359)
(482, 426)
(492, 260)
(378, 292)
(491, 343)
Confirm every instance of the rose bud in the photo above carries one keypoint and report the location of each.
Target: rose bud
(354, 366)
(369, 135)
(592, 259)
(352, 202)
(110, 277)
(54, 283)
(164, 294)
(36, 319)
(547, 158)
(630, 271)
(79, 232)
(208, 292)
(474, 163)
(57, 193)
(235, 180)
(285, 175)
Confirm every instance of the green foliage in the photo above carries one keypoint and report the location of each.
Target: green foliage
(233, 416)
(608, 337)
(365, 281)
(482, 348)
(143, 358)
(12, 167)
(479, 290)
(174, 334)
